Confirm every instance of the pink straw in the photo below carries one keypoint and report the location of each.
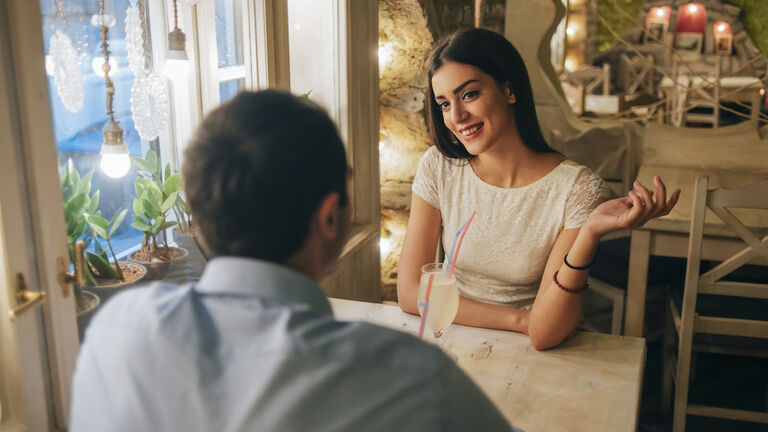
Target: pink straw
(426, 305)
(458, 246)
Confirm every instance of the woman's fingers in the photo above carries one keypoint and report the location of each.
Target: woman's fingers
(661, 195)
(672, 201)
(647, 201)
(636, 212)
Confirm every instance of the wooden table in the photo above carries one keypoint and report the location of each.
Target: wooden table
(591, 382)
(668, 236)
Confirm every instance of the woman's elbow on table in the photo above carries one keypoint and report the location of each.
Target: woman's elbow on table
(406, 298)
(544, 339)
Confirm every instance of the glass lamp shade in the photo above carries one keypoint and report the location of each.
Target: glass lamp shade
(176, 59)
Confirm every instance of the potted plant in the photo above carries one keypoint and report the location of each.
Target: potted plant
(155, 197)
(84, 222)
(119, 273)
(75, 192)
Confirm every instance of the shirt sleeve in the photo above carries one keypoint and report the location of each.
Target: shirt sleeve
(426, 180)
(588, 192)
(466, 407)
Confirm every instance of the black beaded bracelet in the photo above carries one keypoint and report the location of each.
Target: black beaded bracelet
(565, 260)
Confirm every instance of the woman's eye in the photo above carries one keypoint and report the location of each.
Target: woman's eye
(443, 105)
(470, 94)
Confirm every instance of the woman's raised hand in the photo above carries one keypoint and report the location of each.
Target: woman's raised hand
(633, 210)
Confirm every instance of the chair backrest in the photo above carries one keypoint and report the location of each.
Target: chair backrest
(721, 202)
(609, 152)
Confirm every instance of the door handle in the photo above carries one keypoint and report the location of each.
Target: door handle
(78, 276)
(26, 298)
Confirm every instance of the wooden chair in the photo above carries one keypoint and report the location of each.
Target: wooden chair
(697, 85)
(720, 202)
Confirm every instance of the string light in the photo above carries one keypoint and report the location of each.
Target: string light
(115, 161)
(176, 59)
(386, 52)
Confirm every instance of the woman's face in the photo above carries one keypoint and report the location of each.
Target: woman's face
(474, 107)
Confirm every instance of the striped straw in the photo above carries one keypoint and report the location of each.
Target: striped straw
(457, 243)
(425, 304)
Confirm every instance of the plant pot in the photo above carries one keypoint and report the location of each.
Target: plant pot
(192, 267)
(157, 269)
(133, 272)
(84, 316)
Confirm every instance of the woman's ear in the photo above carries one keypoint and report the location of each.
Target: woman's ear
(507, 89)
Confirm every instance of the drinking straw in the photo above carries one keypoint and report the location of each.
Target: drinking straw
(458, 247)
(426, 305)
(455, 241)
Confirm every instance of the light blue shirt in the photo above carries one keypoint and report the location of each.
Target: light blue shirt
(254, 346)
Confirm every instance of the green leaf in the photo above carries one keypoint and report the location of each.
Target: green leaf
(98, 224)
(143, 165)
(93, 206)
(74, 176)
(74, 208)
(116, 221)
(168, 224)
(89, 275)
(79, 229)
(141, 226)
(172, 184)
(167, 171)
(151, 210)
(169, 202)
(157, 226)
(151, 158)
(306, 95)
(85, 184)
(101, 266)
(138, 209)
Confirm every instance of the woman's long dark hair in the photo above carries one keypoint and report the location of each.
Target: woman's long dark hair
(496, 56)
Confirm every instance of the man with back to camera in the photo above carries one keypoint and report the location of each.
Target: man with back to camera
(253, 345)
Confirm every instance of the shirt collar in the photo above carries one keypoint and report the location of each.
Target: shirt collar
(252, 277)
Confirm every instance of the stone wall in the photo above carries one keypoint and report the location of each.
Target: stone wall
(407, 31)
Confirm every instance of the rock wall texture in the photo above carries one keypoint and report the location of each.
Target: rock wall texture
(407, 32)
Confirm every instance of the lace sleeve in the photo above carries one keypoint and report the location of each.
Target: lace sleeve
(588, 192)
(426, 179)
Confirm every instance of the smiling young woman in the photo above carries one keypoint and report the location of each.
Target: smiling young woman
(524, 263)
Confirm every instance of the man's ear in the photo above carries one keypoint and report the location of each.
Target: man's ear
(327, 216)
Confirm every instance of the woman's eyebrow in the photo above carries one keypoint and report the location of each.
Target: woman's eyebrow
(458, 89)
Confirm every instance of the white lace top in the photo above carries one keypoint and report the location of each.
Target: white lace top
(504, 252)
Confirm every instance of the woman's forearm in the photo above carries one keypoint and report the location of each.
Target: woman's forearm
(556, 312)
(471, 312)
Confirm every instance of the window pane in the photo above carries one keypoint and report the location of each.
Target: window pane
(229, 32)
(314, 57)
(79, 134)
(228, 89)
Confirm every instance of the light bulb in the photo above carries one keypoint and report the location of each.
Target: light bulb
(175, 68)
(115, 165)
(176, 59)
(386, 52)
(385, 246)
(50, 66)
(692, 8)
(721, 27)
(98, 66)
(115, 161)
(660, 12)
(570, 30)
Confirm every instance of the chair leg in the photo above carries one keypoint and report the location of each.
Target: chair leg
(666, 361)
(617, 319)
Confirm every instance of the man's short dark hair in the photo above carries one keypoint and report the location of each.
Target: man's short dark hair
(256, 170)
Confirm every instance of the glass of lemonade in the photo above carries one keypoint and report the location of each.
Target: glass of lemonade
(443, 297)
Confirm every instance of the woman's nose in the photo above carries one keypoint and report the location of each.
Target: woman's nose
(458, 114)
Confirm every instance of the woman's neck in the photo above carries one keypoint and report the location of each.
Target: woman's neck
(513, 164)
